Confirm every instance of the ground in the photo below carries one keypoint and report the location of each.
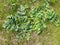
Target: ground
(47, 37)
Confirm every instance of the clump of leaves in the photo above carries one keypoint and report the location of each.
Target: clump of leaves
(25, 22)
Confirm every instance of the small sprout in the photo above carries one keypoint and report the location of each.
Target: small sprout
(35, 20)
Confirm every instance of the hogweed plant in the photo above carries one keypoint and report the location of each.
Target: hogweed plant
(27, 21)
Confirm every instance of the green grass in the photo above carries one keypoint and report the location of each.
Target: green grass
(51, 36)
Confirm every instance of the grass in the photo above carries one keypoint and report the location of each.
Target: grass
(51, 36)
